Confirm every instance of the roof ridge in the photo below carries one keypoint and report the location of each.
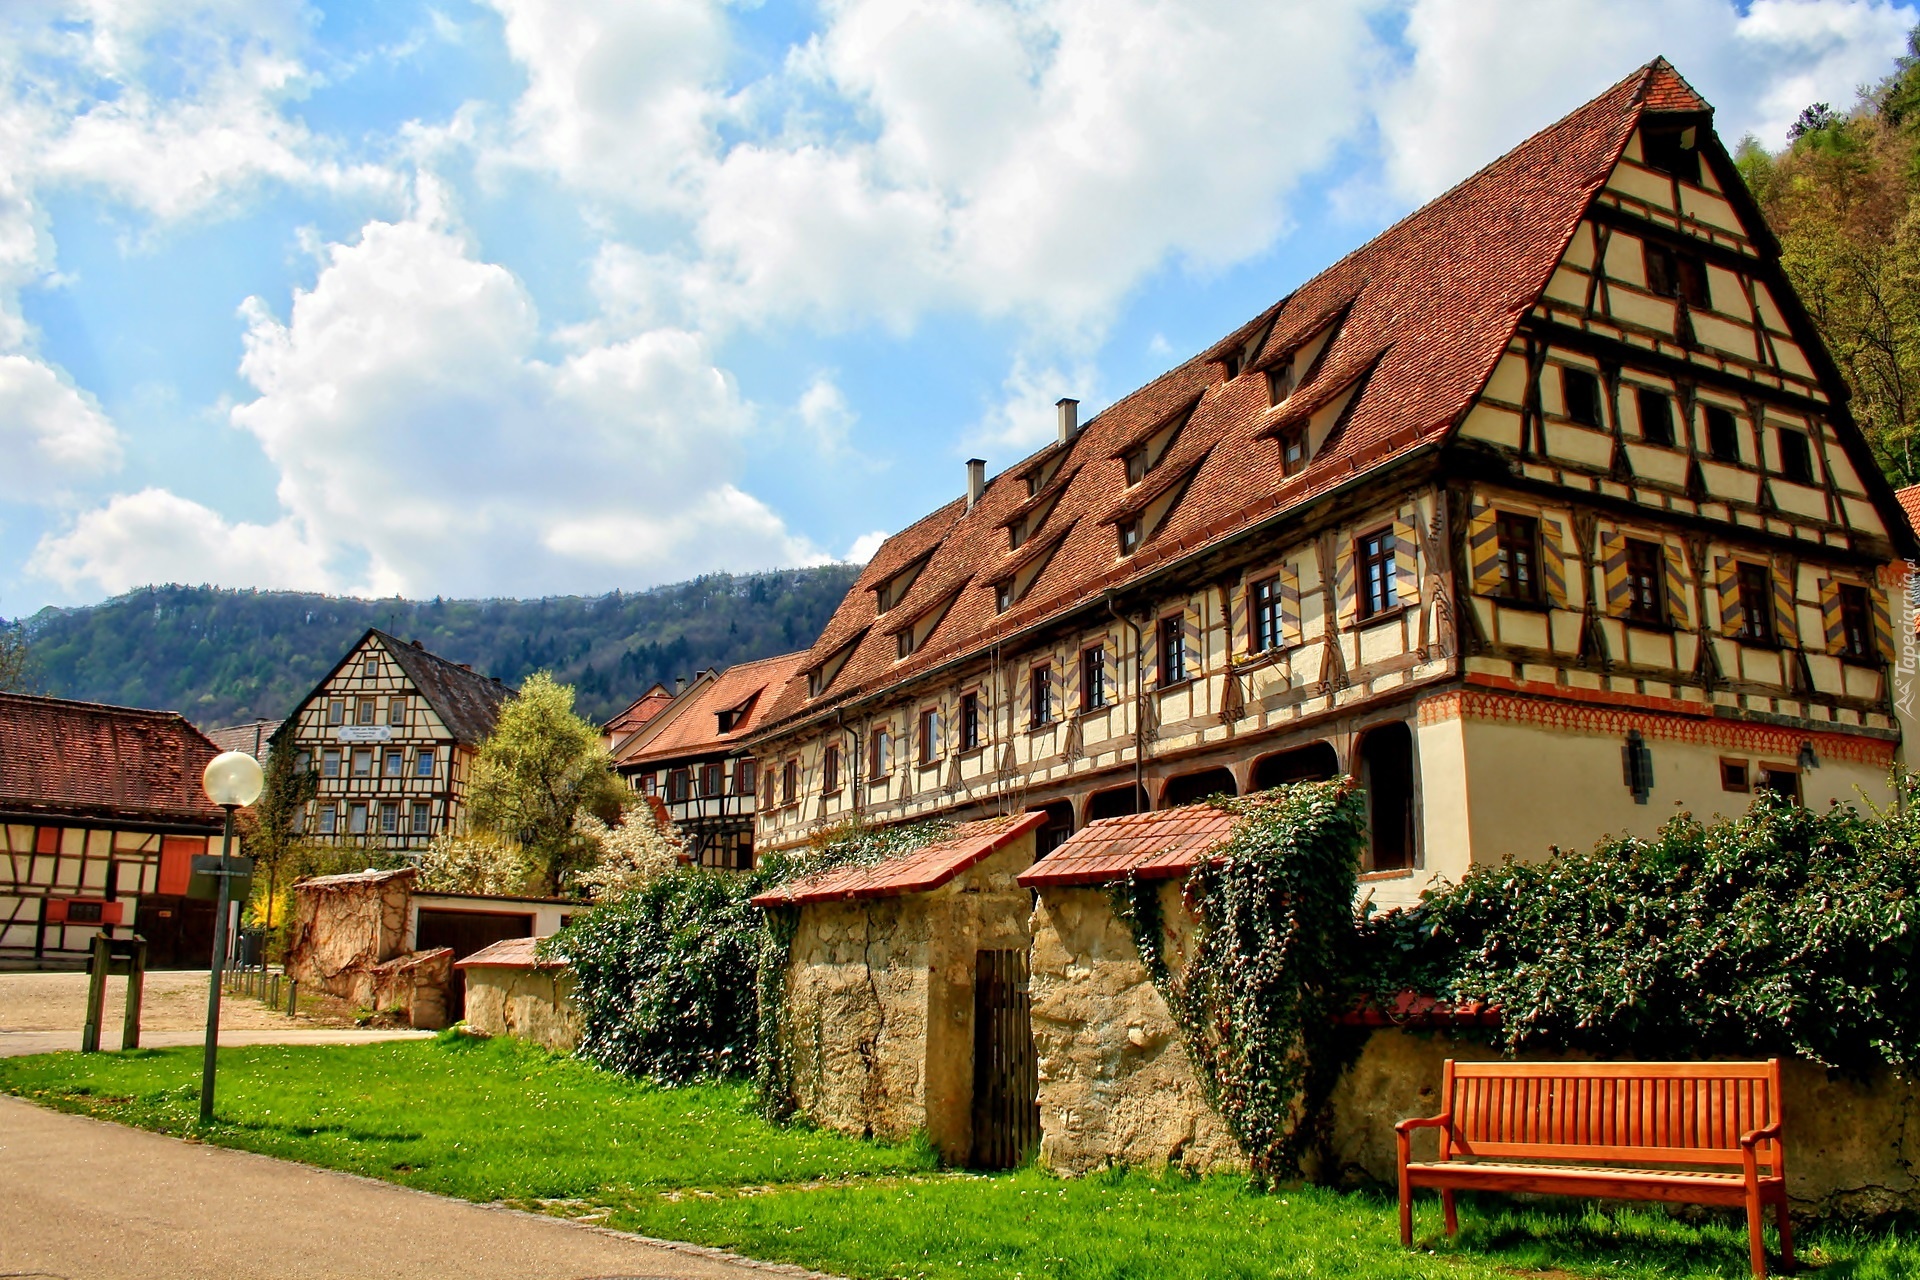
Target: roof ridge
(159, 712)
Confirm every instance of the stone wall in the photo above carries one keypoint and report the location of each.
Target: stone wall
(1853, 1147)
(1116, 1084)
(533, 1003)
(879, 1024)
(348, 937)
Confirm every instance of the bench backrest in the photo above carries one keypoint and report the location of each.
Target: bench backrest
(1627, 1112)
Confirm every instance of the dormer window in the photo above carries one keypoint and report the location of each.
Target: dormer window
(1136, 466)
(1129, 536)
(1003, 596)
(894, 589)
(1231, 365)
(1016, 534)
(903, 643)
(1293, 450)
(1279, 382)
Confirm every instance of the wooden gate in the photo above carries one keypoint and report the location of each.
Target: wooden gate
(1006, 1079)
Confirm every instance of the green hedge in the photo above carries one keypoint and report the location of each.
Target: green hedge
(1784, 932)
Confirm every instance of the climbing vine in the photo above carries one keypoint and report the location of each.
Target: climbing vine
(1257, 998)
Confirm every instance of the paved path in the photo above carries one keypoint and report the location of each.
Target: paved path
(172, 1000)
(82, 1198)
(14, 1044)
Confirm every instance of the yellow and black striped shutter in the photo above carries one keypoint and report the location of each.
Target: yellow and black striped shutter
(1347, 599)
(1786, 605)
(1726, 580)
(1882, 623)
(1483, 548)
(1553, 562)
(1613, 569)
(1240, 618)
(1833, 624)
(1193, 637)
(1679, 603)
(1291, 629)
(1406, 563)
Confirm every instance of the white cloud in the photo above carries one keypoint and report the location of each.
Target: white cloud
(865, 546)
(1484, 74)
(157, 536)
(825, 413)
(50, 434)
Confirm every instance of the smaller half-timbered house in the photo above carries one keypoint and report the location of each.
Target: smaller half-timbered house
(101, 813)
(692, 754)
(391, 733)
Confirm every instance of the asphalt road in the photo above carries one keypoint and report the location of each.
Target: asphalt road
(82, 1199)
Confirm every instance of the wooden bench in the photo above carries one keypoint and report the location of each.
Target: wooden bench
(1682, 1132)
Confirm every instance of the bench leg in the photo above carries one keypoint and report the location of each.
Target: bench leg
(1756, 1240)
(1453, 1219)
(1406, 1210)
(1786, 1235)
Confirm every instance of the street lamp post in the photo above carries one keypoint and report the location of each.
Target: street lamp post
(232, 779)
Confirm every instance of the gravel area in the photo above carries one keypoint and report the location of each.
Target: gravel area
(174, 1001)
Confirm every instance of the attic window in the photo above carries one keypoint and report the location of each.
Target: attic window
(1003, 596)
(903, 643)
(1672, 273)
(1673, 151)
(1293, 450)
(371, 669)
(1129, 536)
(1279, 382)
(1231, 364)
(1033, 484)
(1136, 466)
(1796, 457)
(1016, 534)
(728, 718)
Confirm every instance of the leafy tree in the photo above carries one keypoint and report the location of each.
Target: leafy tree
(13, 656)
(470, 862)
(540, 771)
(272, 826)
(642, 848)
(1842, 198)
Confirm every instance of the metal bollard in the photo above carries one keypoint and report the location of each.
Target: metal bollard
(293, 997)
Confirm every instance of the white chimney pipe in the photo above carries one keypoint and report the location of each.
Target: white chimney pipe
(976, 480)
(1069, 417)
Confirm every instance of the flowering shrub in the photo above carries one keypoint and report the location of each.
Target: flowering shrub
(1786, 931)
(1274, 928)
(645, 846)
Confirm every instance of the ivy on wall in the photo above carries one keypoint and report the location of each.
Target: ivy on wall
(1268, 973)
(1786, 931)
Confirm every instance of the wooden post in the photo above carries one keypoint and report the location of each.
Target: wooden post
(136, 992)
(97, 965)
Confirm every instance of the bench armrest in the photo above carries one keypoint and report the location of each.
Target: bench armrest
(1441, 1121)
(1751, 1140)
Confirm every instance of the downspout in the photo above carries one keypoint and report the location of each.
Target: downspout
(1139, 706)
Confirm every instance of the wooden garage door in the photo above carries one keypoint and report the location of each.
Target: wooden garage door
(466, 932)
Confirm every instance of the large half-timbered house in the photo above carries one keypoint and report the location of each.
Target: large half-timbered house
(390, 735)
(1542, 514)
(101, 814)
(693, 754)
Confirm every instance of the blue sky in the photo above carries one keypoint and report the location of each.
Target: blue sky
(525, 297)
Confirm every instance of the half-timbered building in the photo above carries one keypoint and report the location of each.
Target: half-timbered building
(101, 814)
(693, 754)
(1542, 514)
(390, 735)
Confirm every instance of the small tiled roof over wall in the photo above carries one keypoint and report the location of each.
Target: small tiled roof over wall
(1910, 503)
(925, 868)
(1418, 318)
(88, 760)
(1153, 846)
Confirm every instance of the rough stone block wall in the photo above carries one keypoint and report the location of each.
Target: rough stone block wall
(1116, 1084)
(1853, 1146)
(347, 937)
(532, 1004)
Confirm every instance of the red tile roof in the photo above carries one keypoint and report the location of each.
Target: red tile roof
(925, 868)
(510, 953)
(87, 760)
(1154, 846)
(1421, 315)
(1910, 503)
(254, 737)
(638, 712)
(692, 728)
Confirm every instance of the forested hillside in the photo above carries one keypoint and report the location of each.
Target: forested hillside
(222, 656)
(1844, 198)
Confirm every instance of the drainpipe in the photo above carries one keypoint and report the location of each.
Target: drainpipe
(1139, 706)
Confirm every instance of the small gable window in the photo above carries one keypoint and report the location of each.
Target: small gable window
(1293, 450)
(371, 669)
(1002, 596)
(1581, 391)
(1672, 152)
(397, 711)
(1723, 435)
(423, 763)
(1796, 456)
(1129, 536)
(336, 712)
(903, 642)
(1656, 416)
(1672, 273)
(1279, 382)
(1136, 465)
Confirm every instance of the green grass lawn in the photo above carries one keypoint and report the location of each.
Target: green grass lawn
(499, 1121)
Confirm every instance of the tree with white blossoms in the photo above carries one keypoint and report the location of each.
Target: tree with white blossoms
(641, 849)
(472, 862)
